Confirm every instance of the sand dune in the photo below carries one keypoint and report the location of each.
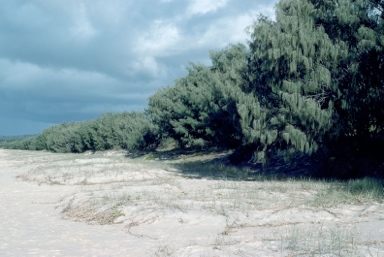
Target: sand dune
(106, 204)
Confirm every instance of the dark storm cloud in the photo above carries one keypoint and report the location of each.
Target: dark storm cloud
(68, 60)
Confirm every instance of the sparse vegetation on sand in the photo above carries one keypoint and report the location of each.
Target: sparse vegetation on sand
(189, 203)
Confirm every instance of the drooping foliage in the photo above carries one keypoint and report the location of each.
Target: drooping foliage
(310, 79)
(317, 72)
(290, 66)
(360, 77)
(200, 108)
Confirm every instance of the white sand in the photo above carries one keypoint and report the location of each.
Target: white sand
(152, 210)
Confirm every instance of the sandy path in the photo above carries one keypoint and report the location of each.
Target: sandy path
(30, 225)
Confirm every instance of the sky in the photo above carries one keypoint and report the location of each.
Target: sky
(73, 60)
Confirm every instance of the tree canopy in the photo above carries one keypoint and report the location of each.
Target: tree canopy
(200, 108)
(312, 79)
(126, 130)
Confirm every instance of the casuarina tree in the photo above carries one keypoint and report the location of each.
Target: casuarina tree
(317, 73)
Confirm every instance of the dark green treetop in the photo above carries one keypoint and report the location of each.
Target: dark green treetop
(200, 108)
(310, 73)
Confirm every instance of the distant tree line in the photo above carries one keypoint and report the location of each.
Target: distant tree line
(127, 130)
(8, 140)
(311, 80)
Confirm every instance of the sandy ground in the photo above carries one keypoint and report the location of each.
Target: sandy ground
(106, 204)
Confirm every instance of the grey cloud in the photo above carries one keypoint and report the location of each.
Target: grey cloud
(73, 60)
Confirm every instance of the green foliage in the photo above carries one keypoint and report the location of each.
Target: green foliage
(200, 108)
(317, 72)
(14, 142)
(368, 186)
(359, 103)
(131, 131)
(311, 79)
(290, 68)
